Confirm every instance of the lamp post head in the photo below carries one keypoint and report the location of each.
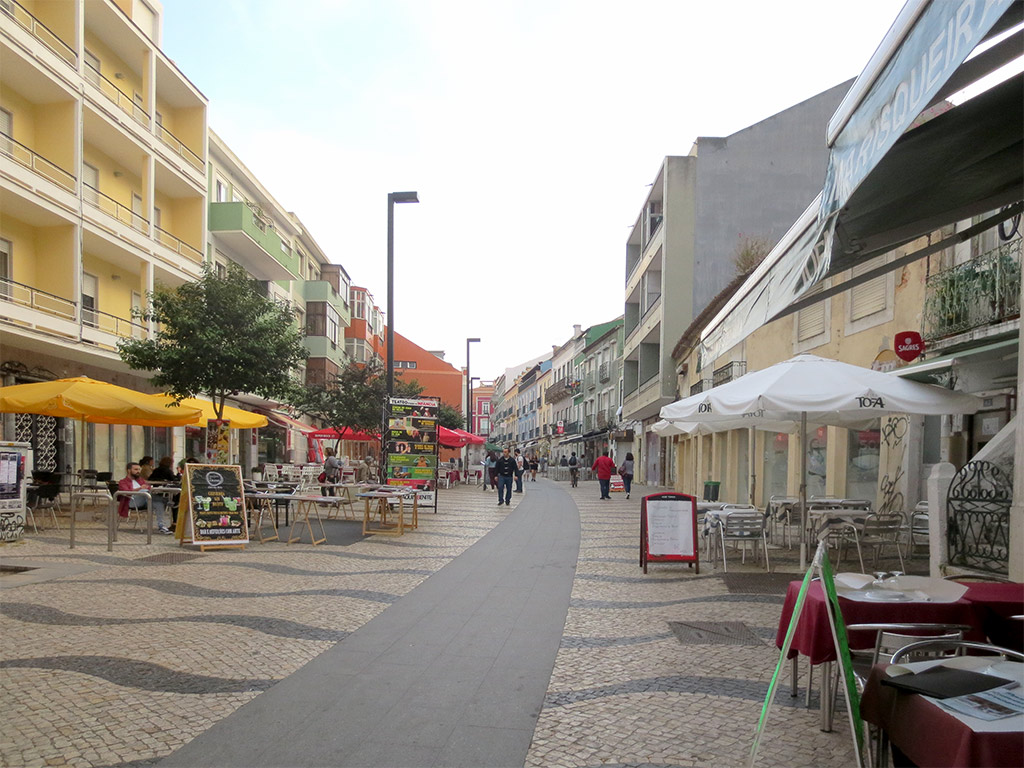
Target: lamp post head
(403, 197)
(468, 341)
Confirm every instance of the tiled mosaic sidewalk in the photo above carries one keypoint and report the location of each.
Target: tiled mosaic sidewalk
(627, 692)
(128, 659)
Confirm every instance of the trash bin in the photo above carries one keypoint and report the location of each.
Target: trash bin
(711, 490)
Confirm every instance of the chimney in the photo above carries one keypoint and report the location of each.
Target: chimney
(577, 330)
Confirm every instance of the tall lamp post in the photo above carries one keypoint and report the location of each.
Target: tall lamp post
(393, 197)
(469, 389)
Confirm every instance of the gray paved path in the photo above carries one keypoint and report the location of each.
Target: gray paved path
(453, 674)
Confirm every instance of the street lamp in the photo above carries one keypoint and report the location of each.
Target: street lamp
(469, 389)
(393, 197)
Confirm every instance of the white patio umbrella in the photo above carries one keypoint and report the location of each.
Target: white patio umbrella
(809, 388)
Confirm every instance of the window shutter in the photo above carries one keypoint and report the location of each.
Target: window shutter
(811, 321)
(867, 298)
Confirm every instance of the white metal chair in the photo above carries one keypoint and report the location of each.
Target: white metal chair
(881, 530)
(444, 477)
(744, 524)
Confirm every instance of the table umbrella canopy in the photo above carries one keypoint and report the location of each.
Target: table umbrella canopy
(450, 438)
(94, 401)
(827, 391)
(669, 428)
(238, 418)
(470, 438)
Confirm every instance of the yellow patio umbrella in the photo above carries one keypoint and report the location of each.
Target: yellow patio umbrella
(97, 402)
(238, 418)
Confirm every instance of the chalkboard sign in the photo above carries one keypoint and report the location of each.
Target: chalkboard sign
(214, 500)
(668, 529)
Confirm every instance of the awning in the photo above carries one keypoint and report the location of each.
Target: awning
(286, 421)
(887, 184)
(330, 433)
(450, 438)
(928, 369)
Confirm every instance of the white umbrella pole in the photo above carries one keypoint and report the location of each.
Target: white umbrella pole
(752, 466)
(803, 490)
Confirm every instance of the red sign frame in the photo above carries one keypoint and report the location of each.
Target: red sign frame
(692, 560)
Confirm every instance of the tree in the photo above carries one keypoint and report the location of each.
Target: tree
(451, 417)
(352, 399)
(218, 336)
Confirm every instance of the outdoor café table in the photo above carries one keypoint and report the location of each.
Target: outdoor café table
(995, 603)
(83, 493)
(929, 735)
(306, 504)
(378, 503)
(813, 635)
(260, 505)
(112, 521)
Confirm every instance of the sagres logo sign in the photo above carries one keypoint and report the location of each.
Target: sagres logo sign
(909, 345)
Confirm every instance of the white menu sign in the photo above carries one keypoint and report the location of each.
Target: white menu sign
(670, 527)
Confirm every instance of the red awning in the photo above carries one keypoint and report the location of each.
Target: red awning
(283, 420)
(330, 433)
(450, 438)
(471, 439)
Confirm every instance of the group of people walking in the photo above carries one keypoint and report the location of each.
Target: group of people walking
(502, 470)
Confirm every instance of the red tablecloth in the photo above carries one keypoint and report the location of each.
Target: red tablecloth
(994, 604)
(931, 736)
(813, 637)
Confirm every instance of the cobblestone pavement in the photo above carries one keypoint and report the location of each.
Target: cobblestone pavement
(116, 659)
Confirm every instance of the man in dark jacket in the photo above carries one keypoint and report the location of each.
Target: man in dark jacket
(605, 468)
(505, 468)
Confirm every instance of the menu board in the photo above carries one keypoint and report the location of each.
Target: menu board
(668, 529)
(214, 499)
(410, 441)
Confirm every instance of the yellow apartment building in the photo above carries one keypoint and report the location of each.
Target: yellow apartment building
(103, 189)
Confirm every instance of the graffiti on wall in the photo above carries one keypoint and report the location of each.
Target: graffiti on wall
(894, 435)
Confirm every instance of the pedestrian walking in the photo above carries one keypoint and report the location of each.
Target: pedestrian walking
(505, 468)
(332, 471)
(605, 468)
(574, 469)
(490, 465)
(626, 472)
(533, 467)
(520, 469)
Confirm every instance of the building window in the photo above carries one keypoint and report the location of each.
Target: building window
(6, 268)
(220, 191)
(405, 363)
(813, 323)
(650, 290)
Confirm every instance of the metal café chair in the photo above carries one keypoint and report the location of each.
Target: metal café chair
(743, 524)
(47, 497)
(881, 530)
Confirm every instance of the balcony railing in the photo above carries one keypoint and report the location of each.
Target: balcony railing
(728, 372)
(604, 372)
(177, 245)
(40, 31)
(127, 104)
(176, 144)
(602, 419)
(562, 389)
(571, 428)
(36, 163)
(983, 291)
(41, 301)
(111, 207)
(701, 386)
(588, 423)
(66, 309)
(112, 324)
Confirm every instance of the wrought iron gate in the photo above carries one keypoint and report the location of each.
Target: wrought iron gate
(978, 508)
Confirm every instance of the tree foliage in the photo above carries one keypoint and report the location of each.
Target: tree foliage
(218, 336)
(354, 398)
(451, 417)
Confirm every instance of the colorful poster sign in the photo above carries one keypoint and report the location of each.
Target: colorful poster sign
(218, 442)
(214, 499)
(410, 442)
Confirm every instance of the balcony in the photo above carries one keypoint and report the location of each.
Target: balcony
(112, 208)
(590, 380)
(39, 310)
(176, 245)
(176, 145)
(36, 163)
(251, 237)
(571, 428)
(561, 389)
(39, 31)
(602, 419)
(728, 372)
(701, 386)
(322, 290)
(604, 372)
(972, 296)
(126, 103)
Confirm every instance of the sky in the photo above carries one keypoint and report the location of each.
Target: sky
(531, 130)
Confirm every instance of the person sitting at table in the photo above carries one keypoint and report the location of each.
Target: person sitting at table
(146, 462)
(133, 481)
(164, 473)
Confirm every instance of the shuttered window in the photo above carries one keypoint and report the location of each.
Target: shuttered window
(870, 297)
(811, 321)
